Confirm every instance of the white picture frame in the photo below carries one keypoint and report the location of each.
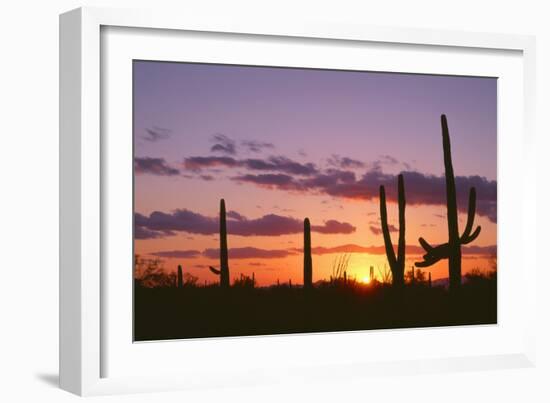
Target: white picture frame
(85, 185)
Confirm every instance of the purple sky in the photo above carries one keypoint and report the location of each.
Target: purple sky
(203, 132)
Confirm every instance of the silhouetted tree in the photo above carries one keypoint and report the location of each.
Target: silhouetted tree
(190, 280)
(150, 273)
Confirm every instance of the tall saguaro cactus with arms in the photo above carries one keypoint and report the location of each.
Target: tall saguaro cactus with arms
(223, 272)
(397, 263)
(452, 249)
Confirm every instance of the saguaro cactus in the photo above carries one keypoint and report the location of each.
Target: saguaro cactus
(430, 280)
(308, 263)
(223, 272)
(180, 276)
(452, 249)
(397, 263)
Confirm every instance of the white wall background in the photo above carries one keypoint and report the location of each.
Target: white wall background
(29, 197)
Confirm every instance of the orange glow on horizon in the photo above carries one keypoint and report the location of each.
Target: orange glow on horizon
(366, 280)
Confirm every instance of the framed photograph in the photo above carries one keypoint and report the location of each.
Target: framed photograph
(247, 202)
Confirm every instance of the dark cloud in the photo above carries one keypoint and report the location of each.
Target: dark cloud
(352, 248)
(420, 189)
(490, 250)
(158, 224)
(256, 146)
(153, 166)
(236, 216)
(272, 164)
(388, 160)
(329, 178)
(223, 144)
(144, 233)
(345, 162)
(250, 253)
(179, 220)
(334, 227)
(412, 250)
(178, 254)
(206, 177)
(376, 230)
(280, 164)
(273, 181)
(198, 163)
(155, 134)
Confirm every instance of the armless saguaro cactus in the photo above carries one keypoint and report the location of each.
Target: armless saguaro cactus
(397, 263)
(223, 272)
(452, 249)
(180, 276)
(308, 263)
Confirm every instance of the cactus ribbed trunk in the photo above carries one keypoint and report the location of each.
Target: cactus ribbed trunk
(452, 249)
(455, 270)
(308, 263)
(397, 263)
(224, 258)
(180, 277)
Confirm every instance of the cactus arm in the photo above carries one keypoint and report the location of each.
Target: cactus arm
(424, 263)
(471, 213)
(214, 270)
(385, 229)
(434, 254)
(427, 247)
(441, 251)
(428, 261)
(472, 237)
(467, 235)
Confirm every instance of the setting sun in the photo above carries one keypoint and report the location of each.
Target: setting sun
(365, 280)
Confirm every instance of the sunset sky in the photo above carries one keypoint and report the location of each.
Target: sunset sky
(282, 144)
